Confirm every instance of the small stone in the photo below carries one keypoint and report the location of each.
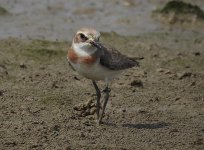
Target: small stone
(92, 111)
(120, 83)
(76, 78)
(1, 93)
(155, 55)
(93, 105)
(197, 41)
(78, 108)
(179, 54)
(140, 73)
(56, 128)
(42, 68)
(156, 99)
(75, 108)
(87, 123)
(192, 84)
(136, 83)
(123, 110)
(160, 70)
(73, 117)
(84, 11)
(172, 76)
(22, 65)
(167, 72)
(87, 112)
(68, 148)
(91, 117)
(11, 143)
(184, 75)
(198, 142)
(37, 75)
(174, 130)
(196, 53)
(128, 3)
(12, 111)
(54, 85)
(89, 102)
(142, 111)
(3, 70)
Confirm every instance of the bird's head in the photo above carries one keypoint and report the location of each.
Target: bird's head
(87, 38)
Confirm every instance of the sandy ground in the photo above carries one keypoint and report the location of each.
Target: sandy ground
(166, 111)
(157, 106)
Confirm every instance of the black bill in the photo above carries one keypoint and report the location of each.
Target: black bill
(96, 44)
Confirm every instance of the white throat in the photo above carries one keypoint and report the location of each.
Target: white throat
(83, 49)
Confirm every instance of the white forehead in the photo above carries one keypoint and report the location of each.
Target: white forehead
(89, 32)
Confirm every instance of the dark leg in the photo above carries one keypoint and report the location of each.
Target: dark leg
(98, 94)
(107, 91)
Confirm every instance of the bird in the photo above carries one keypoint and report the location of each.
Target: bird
(97, 61)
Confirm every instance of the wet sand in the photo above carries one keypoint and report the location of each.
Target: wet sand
(157, 106)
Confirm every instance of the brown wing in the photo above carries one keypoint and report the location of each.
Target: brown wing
(114, 60)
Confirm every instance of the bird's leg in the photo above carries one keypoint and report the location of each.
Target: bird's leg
(106, 97)
(98, 94)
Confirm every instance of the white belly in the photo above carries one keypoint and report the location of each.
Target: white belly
(95, 71)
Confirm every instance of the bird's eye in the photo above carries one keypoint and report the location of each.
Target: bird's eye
(83, 37)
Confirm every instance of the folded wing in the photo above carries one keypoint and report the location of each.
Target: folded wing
(114, 60)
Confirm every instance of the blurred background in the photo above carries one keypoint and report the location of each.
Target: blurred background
(58, 20)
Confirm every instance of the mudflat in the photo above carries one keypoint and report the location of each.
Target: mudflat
(44, 104)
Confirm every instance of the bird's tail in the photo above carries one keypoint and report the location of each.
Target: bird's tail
(136, 59)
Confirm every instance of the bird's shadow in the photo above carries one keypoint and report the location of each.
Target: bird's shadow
(156, 125)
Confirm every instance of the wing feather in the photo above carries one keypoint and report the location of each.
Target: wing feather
(114, 60)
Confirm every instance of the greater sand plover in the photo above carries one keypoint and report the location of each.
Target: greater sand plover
(97, 61)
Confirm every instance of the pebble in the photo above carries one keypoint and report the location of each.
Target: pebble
(174, 130)
(160, 70)
(22, 65)
(192, 83)
(86, 109)
(89, 102)
(1, 93)
(56, 128)
(82, 134)
(179, 54)
(78, 108)
(3, 70)
(136, 83)
(128, 3)
(198, 142)
(42, 68)
(123, 110)
(196, 53)
(140, 74)
(183, 75)
(165, 71)
(54, 85)
(177, 98)
(92, 111)
(142, 111)
(76, 78)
